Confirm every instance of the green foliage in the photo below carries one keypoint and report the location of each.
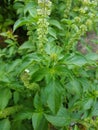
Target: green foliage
(7, 15)
(46, 82)
(5, 124)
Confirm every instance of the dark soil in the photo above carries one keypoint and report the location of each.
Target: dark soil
(88, 43)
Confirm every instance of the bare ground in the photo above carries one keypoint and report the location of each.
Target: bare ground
(90, 42)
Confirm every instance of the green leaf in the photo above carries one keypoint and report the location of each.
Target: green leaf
(5, 95)
(26, 45)
(92, 56)
(85, 84)
(53, 49)
(19, 6)
(39, 122)
(5, 124)
(16, 97)
(31, 8)
(74, 87)
(55, 23)
(63, 112)
(77, 60)
(12, 50)
(9, 41)
(13, 65)
(95, 109)
(20, 22)
(59, 121)
(26, 114)
(4, 78)
(19, 125)
(54, 93)
(87, 104)
(52, 32)
(37, 102)
(39, 75)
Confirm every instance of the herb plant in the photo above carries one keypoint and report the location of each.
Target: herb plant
(46, 83)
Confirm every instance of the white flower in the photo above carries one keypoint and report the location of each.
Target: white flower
(26, 70)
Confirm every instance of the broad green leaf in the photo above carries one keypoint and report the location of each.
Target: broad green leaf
(18, 6)
(9, 41)
(53, 49)
(95, 109)
(52, 32)
(12, 50)
(25, 62)
(60, 121)
(26, 45)
(4, 124)
(92, 56)
(85, 84)
(4, 78)
(33, 12)
(5, 95)
(72, 104)
(54, 93)
(64, 112)
(74, 87)
(67, 21)
(55, 23)
(77, 60)
(39, 122)
(20, 22)
(16, 97)
(19, 125)
(13, 65)
(37, 102)
(87, 104)
(32, 69)
(26, 114)
(39, 75)
(31, 8)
